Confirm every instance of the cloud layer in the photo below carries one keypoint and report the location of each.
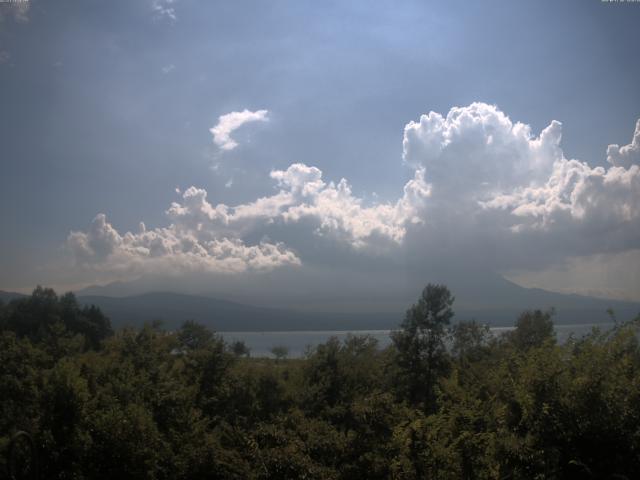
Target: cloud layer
(230, 122)
(484, 189)
(207, 237)
(178, 248)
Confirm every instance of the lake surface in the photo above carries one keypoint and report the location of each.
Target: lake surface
(298, 342)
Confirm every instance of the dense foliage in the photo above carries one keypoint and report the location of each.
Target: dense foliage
(441, 402)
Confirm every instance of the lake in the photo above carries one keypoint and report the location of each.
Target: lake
(261, 343)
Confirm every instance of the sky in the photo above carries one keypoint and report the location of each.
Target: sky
(329, 153)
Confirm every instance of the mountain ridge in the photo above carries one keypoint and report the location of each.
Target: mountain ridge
(173, 308)
(226, 315)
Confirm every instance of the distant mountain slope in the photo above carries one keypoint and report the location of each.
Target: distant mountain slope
(6, 297)
(498, 301)
(221, 315)
(495, 301)
(485, 296)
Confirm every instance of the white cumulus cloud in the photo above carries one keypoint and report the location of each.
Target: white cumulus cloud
(177, 248)
(331, 208)
(206, 237)
(508, 199)
(230, 122)
(601, 202)
(477, 151)
(486, 191)
(336, 211)
(627, 155)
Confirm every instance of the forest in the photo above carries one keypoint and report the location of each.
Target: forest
(447, 400)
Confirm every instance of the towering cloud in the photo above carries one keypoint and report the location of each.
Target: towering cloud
(629, 154)
(494, 179)
(477, 151)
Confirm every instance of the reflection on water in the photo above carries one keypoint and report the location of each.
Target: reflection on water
(261, 343)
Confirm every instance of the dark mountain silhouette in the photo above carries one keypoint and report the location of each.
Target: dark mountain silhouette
(6, 297)
(495, 301)
(222, 315)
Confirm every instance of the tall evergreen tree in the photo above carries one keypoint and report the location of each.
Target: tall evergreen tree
(421, 353)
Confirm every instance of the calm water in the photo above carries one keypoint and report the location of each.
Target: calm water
(261, 343)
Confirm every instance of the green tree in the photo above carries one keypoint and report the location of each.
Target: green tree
(533, 329)
(469, 341)
(421, 354)
(240, 349)
(337, 373)
(44, 316)
(193, 335)
(280, 352)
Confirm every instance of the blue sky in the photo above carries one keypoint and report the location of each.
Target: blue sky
(107, 108)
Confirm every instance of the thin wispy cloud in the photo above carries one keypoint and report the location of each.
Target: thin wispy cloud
(164, 10)
(15, 9)
(232, 121)
(168, 68)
